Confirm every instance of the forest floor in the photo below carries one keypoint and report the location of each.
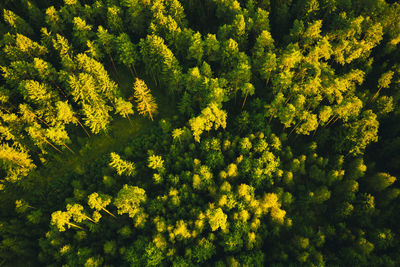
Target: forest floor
(121, 132)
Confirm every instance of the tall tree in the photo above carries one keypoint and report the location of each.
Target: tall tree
(160, 62)
(16, 161)
(106, 41)
(209, 117)
(122, 166)
(124, 108)
(18, 24)
(146, 105)
(82, 31)
(114, 21)
(19, 47)
(129, 201)
(99, 202)
(127, 52)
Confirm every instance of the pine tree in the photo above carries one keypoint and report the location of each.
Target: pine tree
(379, 181)
(138, 13)
(66, 115)
(34, 13)
(383, 82)
(146, 104)
(82, 31)
(217, 219)
(77, 213)
(99, 202)
(209, 117)
(62, 219)
(177, 133)
(53, 20)
(122, 166)
(38, 134)
(129, 200)
(94, 50)
(160, 62)
(247, 89)
(16, 161)
(19, 47)
(127, 52)
(59, 136)
(360, 133)
(212, 47)
(106, 41)
(156, 162)
(261, 21)
(263, 56)
(97, 117)
(114, 21)
(36, 92)
(124, 108)
(18, 24)
(195, 50)
(45, 71)
(83, 88)
(65, 51)
(104, 84)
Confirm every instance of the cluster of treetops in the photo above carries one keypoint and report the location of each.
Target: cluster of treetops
(279, 148)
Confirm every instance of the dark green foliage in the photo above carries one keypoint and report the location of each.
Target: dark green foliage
(273, 136)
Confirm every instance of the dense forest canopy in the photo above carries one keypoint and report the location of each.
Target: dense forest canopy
(199, 133)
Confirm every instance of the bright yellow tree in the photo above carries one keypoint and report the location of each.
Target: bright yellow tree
(146, 105)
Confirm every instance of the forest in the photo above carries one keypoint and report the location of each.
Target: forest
(199, 133)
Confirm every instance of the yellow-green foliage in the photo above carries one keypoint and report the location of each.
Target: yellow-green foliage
(122, 166)
(146, 104)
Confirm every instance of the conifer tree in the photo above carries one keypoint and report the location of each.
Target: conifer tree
(146, 104)
(195, 50)
(177, 133)
(104, 84)
(36, 92)
(247, 89)
(62, 219)
(38, 135)
(16, 161)
(77, 213)
(66, 115)
(97, 117)
(209, 117)
(129, 201)
(383, 82)
(379, 181)
(65, 51)
(114, 20)
(99, 202)
(18, 24)
(106, 41)
(156, 162)
(360, 133)
(138, 13)
(58, 135)
(127, 52)
(122, 166)
(160, 62)
(124, 108)
(82, 30)
(217, 219)
(18, 47)
(94, 50)
(53, 20)
(212, 47)
(208, 197)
